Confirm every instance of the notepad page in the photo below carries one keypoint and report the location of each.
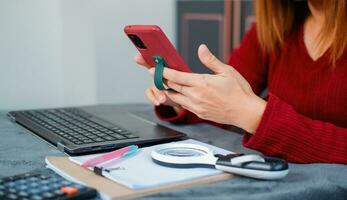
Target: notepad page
(140, 172)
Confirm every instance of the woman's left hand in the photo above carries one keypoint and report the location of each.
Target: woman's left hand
(224, 97)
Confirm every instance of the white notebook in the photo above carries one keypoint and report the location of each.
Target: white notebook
(140, 172)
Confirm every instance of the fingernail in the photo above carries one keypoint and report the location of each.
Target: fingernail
(204, 51)
(156, 103)
(162, 99)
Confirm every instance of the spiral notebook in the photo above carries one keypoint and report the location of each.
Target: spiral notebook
(140, 172)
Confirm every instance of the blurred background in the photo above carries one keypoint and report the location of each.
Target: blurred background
(56, 53)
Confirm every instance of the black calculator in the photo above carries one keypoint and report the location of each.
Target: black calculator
(41, 186)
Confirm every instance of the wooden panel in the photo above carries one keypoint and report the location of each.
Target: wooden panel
(203, 22)
(219, 24)
(243, 18)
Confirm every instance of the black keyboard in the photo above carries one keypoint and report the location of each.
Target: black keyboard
(41, 186)
(74, 125)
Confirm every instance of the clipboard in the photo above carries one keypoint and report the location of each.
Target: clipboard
(116, 191)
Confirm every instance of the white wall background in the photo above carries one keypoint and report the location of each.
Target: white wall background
(74, 52)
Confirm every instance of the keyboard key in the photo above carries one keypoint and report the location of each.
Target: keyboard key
(78, 142)
(99, 139)
(120, 137)
(92, 136)
(132, 136)
(125, 133)
(88, 141)
(109, 138)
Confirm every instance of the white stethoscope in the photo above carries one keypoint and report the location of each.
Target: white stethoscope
(188, 155)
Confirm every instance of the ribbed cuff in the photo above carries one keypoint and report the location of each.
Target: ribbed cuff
(254, 140)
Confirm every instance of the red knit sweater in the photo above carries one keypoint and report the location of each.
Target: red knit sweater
(305, 119)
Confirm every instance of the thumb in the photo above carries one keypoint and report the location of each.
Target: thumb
(209, 60)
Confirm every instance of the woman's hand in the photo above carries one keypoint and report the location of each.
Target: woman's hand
(224, 97)
(155, 96)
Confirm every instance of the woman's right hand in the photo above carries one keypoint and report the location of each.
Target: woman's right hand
(155, 96)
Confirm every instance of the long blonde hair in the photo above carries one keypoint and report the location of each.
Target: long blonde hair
(276, 19)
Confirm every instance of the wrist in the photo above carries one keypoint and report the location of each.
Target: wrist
(253, 114)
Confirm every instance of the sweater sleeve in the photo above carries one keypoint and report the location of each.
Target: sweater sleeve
(285, 133)
(247, 59)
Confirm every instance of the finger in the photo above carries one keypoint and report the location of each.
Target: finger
(183, 78)
(151, 71)
(180, 99)
(179, 88)
(210, 61)
(159, 95)
(141, 61)
(151, 97)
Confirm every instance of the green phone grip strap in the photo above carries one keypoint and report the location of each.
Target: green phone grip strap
(158, 74)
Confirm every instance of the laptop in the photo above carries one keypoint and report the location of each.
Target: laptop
(92, 129)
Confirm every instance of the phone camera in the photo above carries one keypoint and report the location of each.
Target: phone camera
(137, 41)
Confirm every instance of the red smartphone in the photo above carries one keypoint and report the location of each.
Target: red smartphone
(151, 41)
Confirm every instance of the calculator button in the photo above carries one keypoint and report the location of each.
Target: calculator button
(35, 191)
(34, 185)
(45, 188)
(33, 179)
(23, 194)
(11, 184)
(36, 197)
(56, 185)
(44, 182)
(22, 187)
(47, 195)
(43, 177)
(58, 192)
(66, 183)
(12, 190)
(12, 196)
(69, 190)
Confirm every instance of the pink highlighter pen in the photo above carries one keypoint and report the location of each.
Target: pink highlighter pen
(119, 153)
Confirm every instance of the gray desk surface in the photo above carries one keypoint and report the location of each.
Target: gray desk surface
(20, 152)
